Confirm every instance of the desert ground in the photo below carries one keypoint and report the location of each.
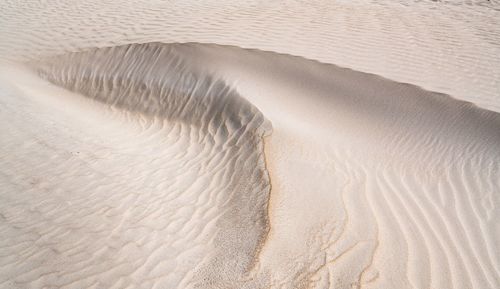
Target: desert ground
(250, 144)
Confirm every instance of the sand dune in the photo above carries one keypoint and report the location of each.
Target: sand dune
(136, 164)
(449, 46)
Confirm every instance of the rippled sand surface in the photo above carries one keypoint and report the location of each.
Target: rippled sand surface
(130, 159)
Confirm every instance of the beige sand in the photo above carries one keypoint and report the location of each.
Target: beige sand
(205, 166)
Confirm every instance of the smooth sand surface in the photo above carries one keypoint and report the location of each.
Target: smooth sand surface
(132, 161)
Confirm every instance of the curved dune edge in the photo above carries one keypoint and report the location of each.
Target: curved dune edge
(375, 184)
(150, 79)
(199, 111)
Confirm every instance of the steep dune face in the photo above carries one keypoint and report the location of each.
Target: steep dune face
(151, 80)
(365, 182)
(198, 213)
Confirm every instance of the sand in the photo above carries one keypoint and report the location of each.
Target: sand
(130, 159)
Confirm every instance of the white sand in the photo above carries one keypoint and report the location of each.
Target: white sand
(206, 166)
